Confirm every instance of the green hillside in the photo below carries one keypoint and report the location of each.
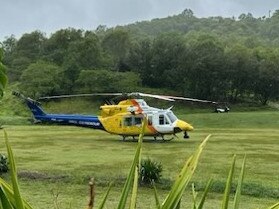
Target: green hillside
(222, 59)
(245, 26)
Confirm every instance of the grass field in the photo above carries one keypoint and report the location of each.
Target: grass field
(56, 162)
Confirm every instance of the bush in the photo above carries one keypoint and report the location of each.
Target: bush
(3, 164)
(40, 79)
(150, 171)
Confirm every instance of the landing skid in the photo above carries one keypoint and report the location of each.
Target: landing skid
(158, 139)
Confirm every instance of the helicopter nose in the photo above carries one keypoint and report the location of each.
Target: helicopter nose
(184, 126)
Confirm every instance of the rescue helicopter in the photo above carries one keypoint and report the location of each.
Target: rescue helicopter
(122, 115)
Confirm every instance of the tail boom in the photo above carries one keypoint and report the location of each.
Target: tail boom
(65, 119)
(77, 120)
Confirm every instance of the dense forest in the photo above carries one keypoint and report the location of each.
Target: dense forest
(216, 58)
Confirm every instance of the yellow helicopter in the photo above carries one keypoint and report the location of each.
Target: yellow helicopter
(123, 117)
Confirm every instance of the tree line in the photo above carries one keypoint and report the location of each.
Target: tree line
(225, 59)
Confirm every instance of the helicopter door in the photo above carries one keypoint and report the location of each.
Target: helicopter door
(163, 124)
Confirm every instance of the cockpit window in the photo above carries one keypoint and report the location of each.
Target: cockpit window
(171, 116)
(163, 120)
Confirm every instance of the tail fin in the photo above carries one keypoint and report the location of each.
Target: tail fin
(33, 105)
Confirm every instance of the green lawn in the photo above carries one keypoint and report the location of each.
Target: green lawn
(60, 160)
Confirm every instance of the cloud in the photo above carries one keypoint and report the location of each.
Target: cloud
(18, 17)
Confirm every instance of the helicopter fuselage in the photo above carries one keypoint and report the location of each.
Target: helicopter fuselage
(124, 119)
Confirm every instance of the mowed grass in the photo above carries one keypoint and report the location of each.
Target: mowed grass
(59, 160)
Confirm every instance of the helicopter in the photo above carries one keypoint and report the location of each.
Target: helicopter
(121, 115)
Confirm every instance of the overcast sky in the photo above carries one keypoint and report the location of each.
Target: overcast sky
(23, 16)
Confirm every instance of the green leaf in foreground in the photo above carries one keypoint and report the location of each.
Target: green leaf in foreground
(9, 193)
(194, 194)
(137, 168)
(158, 205)
(174, 196)
(17, 195)
(200, 206)
(5, 203)
(239, 185)
(275, 206)
(101, 206)
(128, 183)
(228, 186)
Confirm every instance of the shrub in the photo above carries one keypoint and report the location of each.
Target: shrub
(150, 171)
(40, 79)
(3, 164)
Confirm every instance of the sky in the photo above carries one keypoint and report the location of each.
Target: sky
(24, 16)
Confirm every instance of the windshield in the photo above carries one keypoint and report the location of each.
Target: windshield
(171, 116)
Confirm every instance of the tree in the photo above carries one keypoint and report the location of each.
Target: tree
(86, 52)
(241, 70)
(41, 79)
(276, 14)
(267, 78)
(105, 81)
(140, 60)
(188, 13)
(81, 55)
(101, 30)
(271, 28)
(56, 46)
(19, 54)
(30, 45)
(18, 65)
(267, 85)
(3, 77)
(167, 52)
(116, 44)
(204, 65)
(9, 46)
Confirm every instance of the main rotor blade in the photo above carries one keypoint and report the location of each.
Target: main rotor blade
(171, 98)
(191, 99)
(79, 95)
(152, 96)
(135, 94)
